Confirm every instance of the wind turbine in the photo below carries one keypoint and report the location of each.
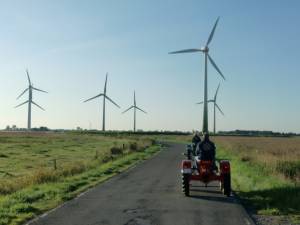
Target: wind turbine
(205, 50)
(29, 101)
(215, 106)
(104, 98)
(134, 108)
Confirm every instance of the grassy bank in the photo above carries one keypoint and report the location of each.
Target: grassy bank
(266, 178)
(32, 183)
(27, 203)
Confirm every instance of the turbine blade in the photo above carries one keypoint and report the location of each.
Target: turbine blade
(38, 106)
(207, 101)
(93, 97)
(128, 109)
(215, 66)
(140, 109)
(219, 109)
(105, 83)
(216, 94)
(22, 93)
(212, 32)
(134, 101)
(112, 101)
(21, 104)
(39, 90)
(187, 51)
(28, 76)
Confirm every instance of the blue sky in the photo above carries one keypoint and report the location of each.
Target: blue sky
(68, 46)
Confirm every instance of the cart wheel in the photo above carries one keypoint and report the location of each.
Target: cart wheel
(186, 184)
(227, 184)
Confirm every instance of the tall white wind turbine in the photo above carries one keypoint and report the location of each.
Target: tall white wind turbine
(104, 98)
(205, 50)
(134, 107)
(215, 106)
(30, 101)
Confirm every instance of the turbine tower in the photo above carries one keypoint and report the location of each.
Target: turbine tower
(205, 50)
(215, 106)
(29, 101)
(134, 110)
(104, 98)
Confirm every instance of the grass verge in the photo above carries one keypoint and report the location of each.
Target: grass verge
(27, 203)
(262, 191)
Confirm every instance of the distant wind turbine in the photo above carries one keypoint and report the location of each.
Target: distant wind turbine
(104, 97)
(29, 101)
(134, 108)
(205, 50)
(215, 106)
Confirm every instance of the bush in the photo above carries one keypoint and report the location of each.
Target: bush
(73, 169)
(116, 151)
(133, 147)
(44, 176)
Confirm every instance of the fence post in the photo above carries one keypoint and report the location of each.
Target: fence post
(54, 164)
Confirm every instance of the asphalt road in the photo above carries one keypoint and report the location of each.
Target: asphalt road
(149, 194)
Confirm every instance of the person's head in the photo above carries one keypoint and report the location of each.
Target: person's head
(205, 136)
(196, 134)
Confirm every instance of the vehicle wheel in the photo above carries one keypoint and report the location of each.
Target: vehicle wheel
(185, 184)
(227, 184)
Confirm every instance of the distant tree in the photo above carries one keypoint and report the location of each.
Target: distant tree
(7, 127)
(44, 129)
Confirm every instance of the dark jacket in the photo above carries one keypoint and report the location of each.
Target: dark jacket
(206, 150)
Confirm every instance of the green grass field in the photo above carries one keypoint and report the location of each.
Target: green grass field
(30, 183)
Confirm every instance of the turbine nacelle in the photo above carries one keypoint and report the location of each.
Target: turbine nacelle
(204, 49)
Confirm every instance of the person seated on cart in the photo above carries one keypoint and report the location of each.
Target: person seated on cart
(206, 150)
(195, 141)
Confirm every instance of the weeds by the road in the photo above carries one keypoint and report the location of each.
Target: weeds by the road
(51, 190)
(269, 187)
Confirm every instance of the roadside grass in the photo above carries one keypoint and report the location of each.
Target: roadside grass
(49, 192)
(265, 174)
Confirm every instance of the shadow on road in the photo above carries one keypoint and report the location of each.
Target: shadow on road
(206, 191)
(230, 200)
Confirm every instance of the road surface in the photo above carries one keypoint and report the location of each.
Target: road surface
(149, 194)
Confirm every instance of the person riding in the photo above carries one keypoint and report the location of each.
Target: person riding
(206, 150)
(196, 140)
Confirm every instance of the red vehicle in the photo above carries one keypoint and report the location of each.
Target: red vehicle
(203, 171)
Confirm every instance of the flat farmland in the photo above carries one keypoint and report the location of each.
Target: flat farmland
(39, 171)
(23, 153)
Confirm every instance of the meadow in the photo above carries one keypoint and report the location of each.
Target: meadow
(39, 171)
